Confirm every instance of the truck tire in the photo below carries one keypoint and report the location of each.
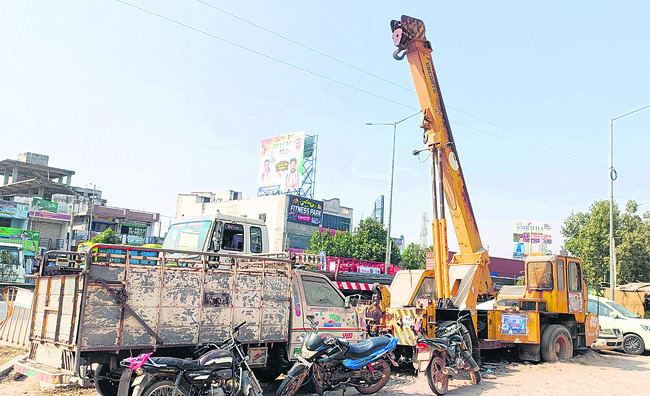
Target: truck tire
(556, 343)
(633, 344)
(105, 387)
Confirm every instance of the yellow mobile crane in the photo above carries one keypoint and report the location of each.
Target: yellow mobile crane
(546, 318)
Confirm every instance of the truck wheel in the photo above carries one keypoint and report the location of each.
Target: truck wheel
(633, 344)
(556, 343)
(105, 387)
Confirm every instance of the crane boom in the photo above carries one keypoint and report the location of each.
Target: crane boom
(467, 276)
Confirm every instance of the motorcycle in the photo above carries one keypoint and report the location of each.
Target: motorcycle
(219, 370)
(332, 361)
(450, 355)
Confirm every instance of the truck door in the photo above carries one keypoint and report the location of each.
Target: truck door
(327, 304)
(560, 277)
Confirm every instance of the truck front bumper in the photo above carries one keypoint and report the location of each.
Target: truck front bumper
(41, 372)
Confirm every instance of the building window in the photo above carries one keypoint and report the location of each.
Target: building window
(256, 240)
(262, 216)
(5, 222)
(333, 222)
(300, 242)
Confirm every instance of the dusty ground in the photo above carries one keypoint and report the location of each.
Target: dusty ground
(611, 373)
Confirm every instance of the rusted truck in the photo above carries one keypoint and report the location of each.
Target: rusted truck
(90, 310)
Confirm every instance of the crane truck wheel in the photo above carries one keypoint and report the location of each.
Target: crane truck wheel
(556, 343)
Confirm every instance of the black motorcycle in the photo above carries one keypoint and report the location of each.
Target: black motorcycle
(333, 361)
(219, 370)
(450, 355)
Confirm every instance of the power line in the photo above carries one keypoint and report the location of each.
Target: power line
(265, 55)
(556, 151)
(567, 154)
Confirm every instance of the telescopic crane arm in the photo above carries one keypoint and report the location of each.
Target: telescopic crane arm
(467, 277)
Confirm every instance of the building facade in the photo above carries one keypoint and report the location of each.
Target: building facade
(41, 200)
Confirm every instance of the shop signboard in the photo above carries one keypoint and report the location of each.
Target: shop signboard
(27, 239)
(305, 211)
(281, 163)
(13, 209)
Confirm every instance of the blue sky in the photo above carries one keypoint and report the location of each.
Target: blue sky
(146, 108)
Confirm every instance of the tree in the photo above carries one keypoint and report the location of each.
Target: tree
(108, 236)
(587, 237)
(633, 247)
(369, 243)
(414, 256)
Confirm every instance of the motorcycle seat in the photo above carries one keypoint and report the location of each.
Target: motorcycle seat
(183, 364)
(367, 347)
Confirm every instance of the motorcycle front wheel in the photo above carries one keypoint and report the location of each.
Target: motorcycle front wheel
(437, 376)
(380, 376)
(163, 388)
(475, 376)
(295, 378)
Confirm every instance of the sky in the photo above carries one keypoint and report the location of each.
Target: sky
(148, 99)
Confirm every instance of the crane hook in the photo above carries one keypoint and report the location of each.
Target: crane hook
(399, 54)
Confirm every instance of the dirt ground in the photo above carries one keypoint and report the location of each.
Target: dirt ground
(588, 374)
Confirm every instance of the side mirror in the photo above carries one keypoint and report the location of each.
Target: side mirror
(613, 315)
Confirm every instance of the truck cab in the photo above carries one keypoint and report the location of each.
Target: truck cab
(218, 233)
(12, 263)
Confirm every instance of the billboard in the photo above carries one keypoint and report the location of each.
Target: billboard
(531, 239)
(28, 239)
(13, 209)
(305, 211)
(281, 163)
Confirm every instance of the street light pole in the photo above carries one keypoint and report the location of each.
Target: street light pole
(392, 176)
(612, 177)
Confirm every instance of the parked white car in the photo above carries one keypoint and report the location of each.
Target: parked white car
(608, 339)
(636, 330)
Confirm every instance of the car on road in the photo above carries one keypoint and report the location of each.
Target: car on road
(636, 330)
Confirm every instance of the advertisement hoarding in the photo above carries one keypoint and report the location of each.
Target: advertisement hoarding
(531, 239)
(281, 163)
(305, 211)
(27, 239)
(13, 209)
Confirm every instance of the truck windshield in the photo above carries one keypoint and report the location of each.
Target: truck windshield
(540, 275)
(187, 236)
(11, 267)
(402, 287)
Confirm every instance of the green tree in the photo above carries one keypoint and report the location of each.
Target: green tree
(108, 236)
(369, 243)
(587, 236)
(414, 256)
(633, 247)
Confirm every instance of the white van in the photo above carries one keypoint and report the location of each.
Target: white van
(636, 330)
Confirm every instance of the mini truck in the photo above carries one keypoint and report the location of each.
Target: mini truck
(91, 310)
(546, 318)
